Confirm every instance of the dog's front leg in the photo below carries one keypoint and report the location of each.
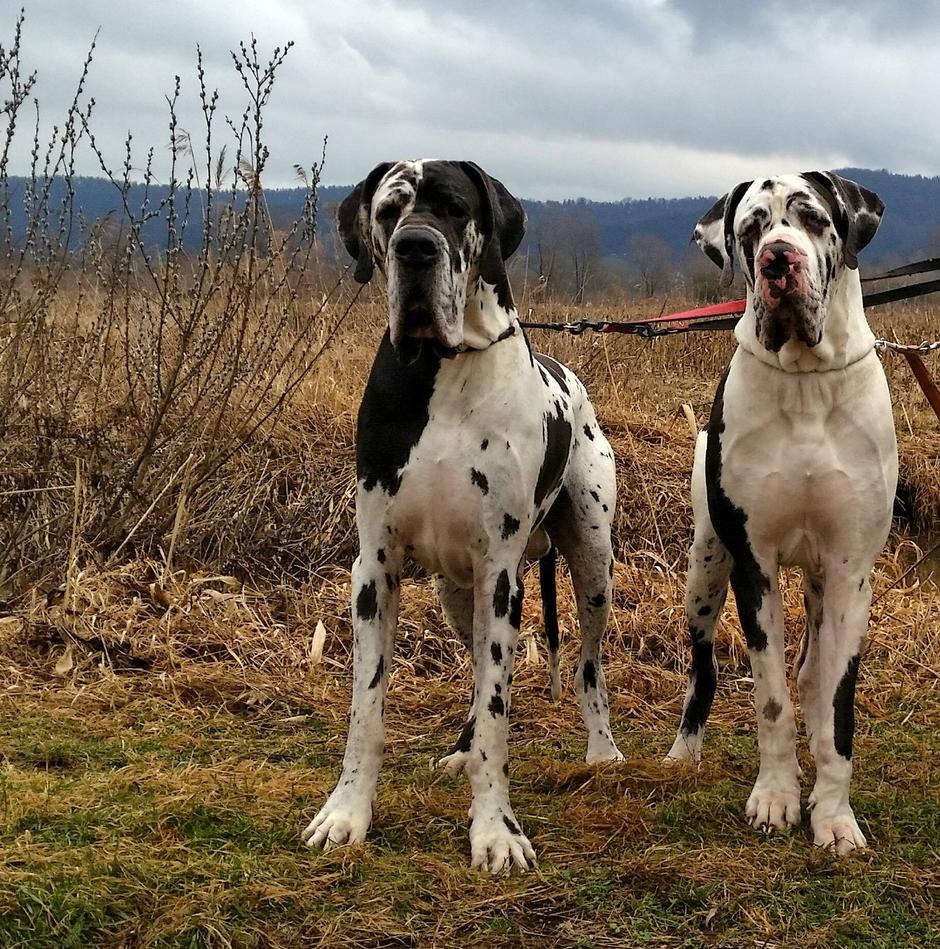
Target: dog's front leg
(844, 626)
(496, 839)
(775, 799)
(347, 813)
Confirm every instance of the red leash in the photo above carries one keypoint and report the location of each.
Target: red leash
(716, 316)
(721, 316)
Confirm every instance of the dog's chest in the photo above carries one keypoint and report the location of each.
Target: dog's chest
(468, 472)
(810, 458)
(454, 495)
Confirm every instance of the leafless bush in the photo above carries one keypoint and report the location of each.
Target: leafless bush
(132, 371)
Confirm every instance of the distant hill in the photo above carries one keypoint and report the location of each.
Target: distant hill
(911, 226)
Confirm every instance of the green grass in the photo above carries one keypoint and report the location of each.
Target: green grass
(185, 833)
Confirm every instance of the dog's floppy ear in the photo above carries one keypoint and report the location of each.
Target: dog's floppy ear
(355, 222)
(503, 222)
(855, 210)
(714, 232)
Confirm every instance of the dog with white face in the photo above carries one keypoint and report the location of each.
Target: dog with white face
(472, 453)
(798, 466)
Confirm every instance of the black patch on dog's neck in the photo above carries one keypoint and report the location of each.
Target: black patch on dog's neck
(393, 413)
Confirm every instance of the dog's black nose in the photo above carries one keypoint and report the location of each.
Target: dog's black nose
(416, 249)
(776, 259)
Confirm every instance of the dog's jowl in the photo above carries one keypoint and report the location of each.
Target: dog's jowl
(798, 467)
(472, 454)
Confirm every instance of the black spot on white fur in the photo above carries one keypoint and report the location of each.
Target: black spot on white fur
(465, 739)
(748, 581)
(501, 595)
(367, 602)
(510, 526)
(843, 708)
(393, 414)
(590, 676)
(515, 608)
(555, 459)
(556, 369)
(480, 480)
(704, 681)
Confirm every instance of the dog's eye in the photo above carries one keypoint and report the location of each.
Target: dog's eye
(457, 210)
(386, 213)
(750, 232)
(813, 220)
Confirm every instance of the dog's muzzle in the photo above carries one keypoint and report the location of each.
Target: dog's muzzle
(422, 291)
(415, 247)
(780, 264)
(417, 254)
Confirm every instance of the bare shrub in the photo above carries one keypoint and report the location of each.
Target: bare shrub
(134, 370)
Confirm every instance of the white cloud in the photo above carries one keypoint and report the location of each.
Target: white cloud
(605, 99)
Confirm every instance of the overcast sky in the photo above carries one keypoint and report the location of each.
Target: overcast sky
(604, 99)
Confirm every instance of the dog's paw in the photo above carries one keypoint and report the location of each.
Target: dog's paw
(455, 762)
(838, 831)
(773, 806)
(685, 748)
(343, 820)
(497, 842)
(602, 750)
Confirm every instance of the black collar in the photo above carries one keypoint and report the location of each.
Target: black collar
(453, 352)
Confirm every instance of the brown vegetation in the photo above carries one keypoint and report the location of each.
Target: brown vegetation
(227, 651)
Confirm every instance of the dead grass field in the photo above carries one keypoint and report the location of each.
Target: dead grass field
(165, 733)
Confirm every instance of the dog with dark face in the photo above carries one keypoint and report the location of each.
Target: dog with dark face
(473, 454)
(798, 467)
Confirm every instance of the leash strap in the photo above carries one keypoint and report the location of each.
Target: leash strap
(708, 317)
(924, 379)
(724, 316)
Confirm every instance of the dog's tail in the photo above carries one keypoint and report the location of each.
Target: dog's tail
(550, 614)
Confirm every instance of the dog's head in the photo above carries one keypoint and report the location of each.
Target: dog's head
(793, 236)
(434, 228)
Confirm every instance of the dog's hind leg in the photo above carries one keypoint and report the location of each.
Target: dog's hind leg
(705, 592)
(347, 813)
(579, 524)
(457, 604)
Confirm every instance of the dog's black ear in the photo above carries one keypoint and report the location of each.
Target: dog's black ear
(855, 210)
(503, 223)
(355, 222)
(714, 232)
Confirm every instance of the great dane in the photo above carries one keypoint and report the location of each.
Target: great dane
(798, 466)
(472, 452)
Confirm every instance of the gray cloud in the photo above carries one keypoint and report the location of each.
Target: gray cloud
(606, 99)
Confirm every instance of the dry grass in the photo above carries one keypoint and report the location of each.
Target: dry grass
(166, 731)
